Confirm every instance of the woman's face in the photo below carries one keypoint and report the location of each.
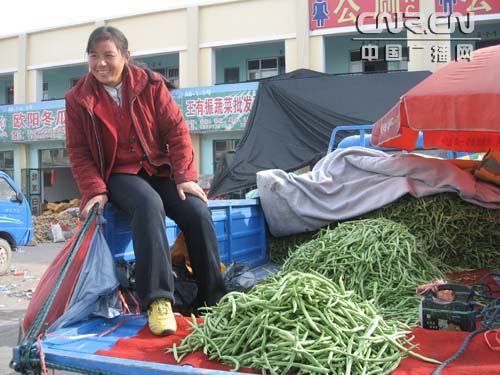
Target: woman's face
(106, 62)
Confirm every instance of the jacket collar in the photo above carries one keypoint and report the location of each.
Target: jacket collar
(86, 91)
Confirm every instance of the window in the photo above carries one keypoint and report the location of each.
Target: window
(281, 65)
(263, 68)
(9, 95)
(172, 74)
(222, 146)
(45, 92)
(162, 71)
(7, 162)
(231, 75)
(50, 159)
(73, 82)
(487, 43)
(7, 193)
(56, 157)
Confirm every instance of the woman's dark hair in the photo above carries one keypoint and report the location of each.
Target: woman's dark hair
(121, 42)
(108, 33)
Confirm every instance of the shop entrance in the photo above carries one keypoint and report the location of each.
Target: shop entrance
(53, 182)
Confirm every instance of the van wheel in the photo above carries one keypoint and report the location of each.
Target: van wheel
(5, 256)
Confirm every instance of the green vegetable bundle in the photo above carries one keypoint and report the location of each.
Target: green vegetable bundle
(301, 323)
(377, 258)
(459, 233)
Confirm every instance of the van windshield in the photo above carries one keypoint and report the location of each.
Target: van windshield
(7, 193)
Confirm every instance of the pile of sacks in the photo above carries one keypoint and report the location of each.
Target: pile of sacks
(50, 208)
(57, 223)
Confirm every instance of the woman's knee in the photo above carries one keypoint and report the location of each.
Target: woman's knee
(149, 206)
(195, 213)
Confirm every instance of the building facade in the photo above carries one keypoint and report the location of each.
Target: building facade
(216, 52)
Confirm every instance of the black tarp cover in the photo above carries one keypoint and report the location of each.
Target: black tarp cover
(294, 114)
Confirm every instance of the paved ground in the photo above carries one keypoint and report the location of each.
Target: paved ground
(28, 265)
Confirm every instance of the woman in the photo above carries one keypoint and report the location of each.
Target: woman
(127, 142)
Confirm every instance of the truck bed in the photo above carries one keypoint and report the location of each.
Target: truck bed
(79, 348)
(64, 351)
(131, 349)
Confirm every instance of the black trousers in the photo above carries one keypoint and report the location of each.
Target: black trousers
(147, 199)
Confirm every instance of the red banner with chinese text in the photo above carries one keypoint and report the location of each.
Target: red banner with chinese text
(324, 14)
(478, 7)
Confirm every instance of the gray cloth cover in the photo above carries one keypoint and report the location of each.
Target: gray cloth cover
(96, 292)
(353, 181)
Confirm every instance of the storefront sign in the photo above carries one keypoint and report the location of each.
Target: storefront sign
(205, 109)
(34, 182)
(324, 14)
(35, 204)
(478, 7)
(216, 108)
(32, 122)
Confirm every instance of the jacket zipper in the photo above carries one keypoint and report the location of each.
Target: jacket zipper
(138, 138)
(98, 144)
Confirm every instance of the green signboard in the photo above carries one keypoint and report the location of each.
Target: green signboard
(216, 108)
(206, 109)
(33, 122)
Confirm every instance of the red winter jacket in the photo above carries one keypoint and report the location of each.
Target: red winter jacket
(156, 117)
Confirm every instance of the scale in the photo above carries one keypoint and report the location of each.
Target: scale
(455, 315)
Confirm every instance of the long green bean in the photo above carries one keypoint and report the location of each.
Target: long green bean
(388, 265)
(299, 322)
(458, 233)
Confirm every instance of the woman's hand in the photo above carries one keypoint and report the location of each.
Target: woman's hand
(102, 199)
(191, 188)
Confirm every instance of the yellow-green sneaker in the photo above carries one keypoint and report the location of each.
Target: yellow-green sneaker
(161, 318)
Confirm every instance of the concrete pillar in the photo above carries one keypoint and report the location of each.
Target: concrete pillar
(291, 55)
(20, 162)
(189, 68)
(422, 46)
(317, 53)
(302, 34)
(35, 83)
(20, 94)
(206, 65)
(189, 60)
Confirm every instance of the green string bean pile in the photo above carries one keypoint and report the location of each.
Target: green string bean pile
(377, 258)
(460, 234)
(299, 322)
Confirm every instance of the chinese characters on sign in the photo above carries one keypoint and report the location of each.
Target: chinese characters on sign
(219, 108)
(33, 122)
(396, 16)
(325, 14)
(34, 182)
(219, 105)
(468, 6)
(35, 205)
(342, 13)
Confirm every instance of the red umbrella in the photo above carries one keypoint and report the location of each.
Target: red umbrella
(457, 108)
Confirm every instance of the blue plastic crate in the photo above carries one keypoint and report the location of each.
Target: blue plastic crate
(239, 225)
